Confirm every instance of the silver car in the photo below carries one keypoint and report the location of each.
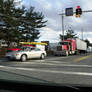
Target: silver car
(27, 53)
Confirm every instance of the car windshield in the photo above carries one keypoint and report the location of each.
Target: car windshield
(51, 41)
(28, 48)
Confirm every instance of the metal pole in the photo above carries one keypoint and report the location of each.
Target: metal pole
(63, 26)
(82, 33)
(62, 14)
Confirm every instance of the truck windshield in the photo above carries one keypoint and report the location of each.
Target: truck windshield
(63, 43)
(59, 48)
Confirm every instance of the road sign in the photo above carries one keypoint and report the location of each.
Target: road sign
(69, 11)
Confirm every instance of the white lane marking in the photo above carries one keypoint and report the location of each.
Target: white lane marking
(57, 64)
(2, 66)
(53, 71)
(40, 61)
(49, 71)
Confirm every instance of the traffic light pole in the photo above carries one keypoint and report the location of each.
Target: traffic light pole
(84, 11)
(82, 33)
(63, 26)
(62, 16)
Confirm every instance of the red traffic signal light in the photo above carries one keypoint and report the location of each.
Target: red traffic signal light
(78, 11)
(78, 7)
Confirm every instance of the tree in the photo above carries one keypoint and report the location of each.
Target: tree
(9, 14)
(88, 43)
(18, 23)
(32, 22)
(69, 34)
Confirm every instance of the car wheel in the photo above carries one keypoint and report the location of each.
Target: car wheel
(23, 58)
(42, 56)
(8, 59)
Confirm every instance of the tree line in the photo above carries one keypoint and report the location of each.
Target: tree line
(17, 23)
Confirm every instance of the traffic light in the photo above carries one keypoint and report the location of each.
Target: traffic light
(78, 11)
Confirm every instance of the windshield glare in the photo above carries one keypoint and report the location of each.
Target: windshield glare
(46, 41)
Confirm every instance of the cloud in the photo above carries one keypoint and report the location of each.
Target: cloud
(90, 39)
(49, 34)
(86, 35)
(44, 4)
(27, 3)
(51, 10)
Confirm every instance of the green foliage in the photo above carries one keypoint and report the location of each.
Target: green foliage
(88, 43)
(69, 34)
(19, 24)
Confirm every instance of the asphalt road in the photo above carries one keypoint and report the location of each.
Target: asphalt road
(75, 69)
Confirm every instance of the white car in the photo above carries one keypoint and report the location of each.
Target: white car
(27, 53)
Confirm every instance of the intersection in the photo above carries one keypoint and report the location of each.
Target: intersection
(60, 69)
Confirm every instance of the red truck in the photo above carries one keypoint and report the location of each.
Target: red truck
(71, 46)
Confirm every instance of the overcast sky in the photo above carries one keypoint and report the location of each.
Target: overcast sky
(51, 10)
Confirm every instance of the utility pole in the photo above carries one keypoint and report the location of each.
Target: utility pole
(62, 16)
(63, 26)
(69, 12)
(82, 33)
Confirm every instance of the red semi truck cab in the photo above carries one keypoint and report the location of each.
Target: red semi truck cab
(69, 45)
(66, 47)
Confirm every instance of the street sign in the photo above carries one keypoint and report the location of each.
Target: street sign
(69, 11)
